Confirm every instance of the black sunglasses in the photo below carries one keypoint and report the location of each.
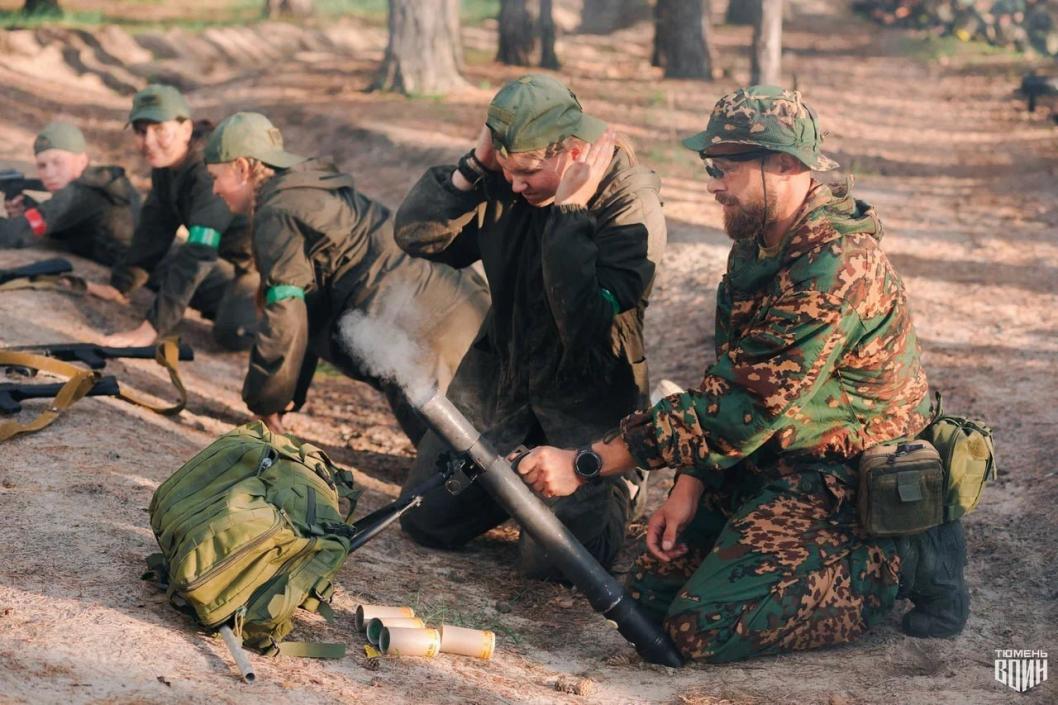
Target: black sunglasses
(716, 172)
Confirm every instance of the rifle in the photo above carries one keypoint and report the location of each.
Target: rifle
(12, 394)
(13, 182)
(45, 267)
(96, 356)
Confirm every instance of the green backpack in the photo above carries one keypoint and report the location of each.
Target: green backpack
(249, 531)
(967, 455)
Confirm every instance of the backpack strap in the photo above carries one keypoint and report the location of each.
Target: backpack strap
(936, 409)
(78, 383)
(167, 355)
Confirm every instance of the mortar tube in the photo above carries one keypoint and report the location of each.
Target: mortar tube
(605, 594)
(234, 645)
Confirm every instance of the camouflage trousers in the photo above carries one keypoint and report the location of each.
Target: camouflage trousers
(775, 563)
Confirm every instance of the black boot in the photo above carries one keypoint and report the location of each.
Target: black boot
(931, 577)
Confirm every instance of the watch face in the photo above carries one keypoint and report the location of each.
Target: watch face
(587, 463)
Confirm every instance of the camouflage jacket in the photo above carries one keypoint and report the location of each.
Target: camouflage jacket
(94, 216)
(181, 195)
(816, 353)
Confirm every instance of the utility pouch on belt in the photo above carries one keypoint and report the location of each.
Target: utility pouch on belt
(901, 489)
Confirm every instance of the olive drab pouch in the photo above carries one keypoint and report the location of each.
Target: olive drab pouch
(250, 531)
(901, 489)
(968, 456)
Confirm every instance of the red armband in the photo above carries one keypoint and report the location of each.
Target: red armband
(36, 221)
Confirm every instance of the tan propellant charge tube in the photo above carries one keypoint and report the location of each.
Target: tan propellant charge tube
(365, 613)
(404, 641)
(467, 642)
(375, 626)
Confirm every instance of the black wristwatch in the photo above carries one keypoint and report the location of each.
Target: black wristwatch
(587, 464)
(471, 168)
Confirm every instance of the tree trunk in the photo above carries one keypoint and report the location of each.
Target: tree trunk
(679, 45)
(287, 8)
(548, 58)
(708, 36)
(424, 53)
(744, 12)
(40, 7)
(767, 45)
(517, 35)
(605, 16)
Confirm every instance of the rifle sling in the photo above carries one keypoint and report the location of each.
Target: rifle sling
(80, 381)
(66, 283)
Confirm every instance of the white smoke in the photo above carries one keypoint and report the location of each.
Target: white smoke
(386, 345)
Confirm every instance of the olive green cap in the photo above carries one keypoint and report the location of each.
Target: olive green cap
(159, 103)
(536, 111)
(765, 117)
(60, 135)
(249, 135)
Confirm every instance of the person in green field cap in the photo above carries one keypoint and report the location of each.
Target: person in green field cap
(569, 228)
(213, 271)
(92, 210)
(325, 250)
(758, 548)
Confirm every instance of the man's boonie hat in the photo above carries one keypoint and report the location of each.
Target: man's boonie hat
(765, 117)
(60, 135)
(159, 103)
(536, 111)
(249, 135)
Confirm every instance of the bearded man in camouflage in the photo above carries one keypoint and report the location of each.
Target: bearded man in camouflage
(758, 549)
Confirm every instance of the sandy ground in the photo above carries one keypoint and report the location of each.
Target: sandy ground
(966, 184)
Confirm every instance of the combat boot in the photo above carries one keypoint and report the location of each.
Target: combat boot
(932, 565)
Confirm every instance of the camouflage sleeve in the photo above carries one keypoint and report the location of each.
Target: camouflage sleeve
(439, 222)
(15, 232)
(755, 389)
(595, 266)
(280, 345)
(150, 242)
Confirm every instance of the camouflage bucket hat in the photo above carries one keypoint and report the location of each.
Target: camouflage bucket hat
(249, 135)
(536, 111)
(159, 103)
(765, 117)
(60, 135)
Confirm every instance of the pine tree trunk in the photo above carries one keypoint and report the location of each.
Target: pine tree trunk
(679, 45)
(287, 8)
(34, 7)
(517, 35)
(424, 53)
(548, 58)
(708, 37)
(767, 45)
(744, 12)
(605, 16)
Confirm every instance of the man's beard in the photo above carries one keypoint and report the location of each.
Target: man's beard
(743, 222)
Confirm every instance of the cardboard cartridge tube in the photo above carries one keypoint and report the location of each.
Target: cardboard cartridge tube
(407, 641)
(375, 625)
(365, 613)
(467, 642)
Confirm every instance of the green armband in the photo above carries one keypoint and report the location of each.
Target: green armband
(611, 299)
(201, 235)
(281, 292)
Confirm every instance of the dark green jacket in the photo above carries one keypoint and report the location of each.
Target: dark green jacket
(94, 216)
(314, 232)
(181, 196)
(563, 342)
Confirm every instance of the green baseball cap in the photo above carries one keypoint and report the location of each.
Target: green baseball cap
(249, 135)
(159, 103)
(60, 135)
(536, 111)
(765, 117)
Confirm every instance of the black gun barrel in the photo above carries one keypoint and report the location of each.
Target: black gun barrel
(96, 356)
(604, 593)
(12, 394)
(372, 524)
(13, 182)
(55, 265)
